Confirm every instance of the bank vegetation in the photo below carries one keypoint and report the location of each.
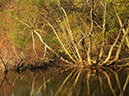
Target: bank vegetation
(78, 33)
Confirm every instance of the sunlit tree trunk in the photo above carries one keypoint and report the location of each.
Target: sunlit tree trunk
(104, 31)
(90, 34)
(124, 31)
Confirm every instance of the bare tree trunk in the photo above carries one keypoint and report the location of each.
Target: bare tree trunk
(119, 48)
(90, 34)
(122, 41)
(111, 49)
(3, 63)
(34, 44)
(104, 31)
(124, 31)
(71, 35)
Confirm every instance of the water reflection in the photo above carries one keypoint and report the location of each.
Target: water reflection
(68, 82)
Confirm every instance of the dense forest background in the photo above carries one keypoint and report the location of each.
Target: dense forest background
(74, 31)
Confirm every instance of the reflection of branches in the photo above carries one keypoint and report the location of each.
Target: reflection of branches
(32, 90)
(109, 82)
(3, 63)
(75, 82)
(101, 83)
(66, 79)
(102, 72)
(117, 80)
(4, 77)
(45, 80)
(118, 83)
(88, 83)
(125, 85)
(15, 79)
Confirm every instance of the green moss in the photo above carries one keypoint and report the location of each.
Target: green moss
(18, 39)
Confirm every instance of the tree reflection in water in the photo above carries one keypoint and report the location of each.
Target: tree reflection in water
(94, 81)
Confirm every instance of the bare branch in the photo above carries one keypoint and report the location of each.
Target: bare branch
(119, 48)
(111, 49)
(124, 31)
(71, 35)
(34, 44)
(51, 48)
(90, 34)
(104, 31)
(3, 63)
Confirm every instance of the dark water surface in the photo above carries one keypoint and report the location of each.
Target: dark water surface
(68, 82)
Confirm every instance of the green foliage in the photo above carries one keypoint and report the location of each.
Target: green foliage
(78, 3)
(122, 7)
(17, 38)
(51, 40)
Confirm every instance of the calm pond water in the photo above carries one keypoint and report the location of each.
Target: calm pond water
(68, 82)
